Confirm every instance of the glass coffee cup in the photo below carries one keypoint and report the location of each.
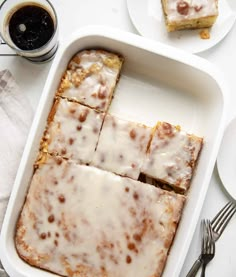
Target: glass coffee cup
(30, 28)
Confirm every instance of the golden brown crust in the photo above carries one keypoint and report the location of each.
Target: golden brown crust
(205, 22)
(53, 110)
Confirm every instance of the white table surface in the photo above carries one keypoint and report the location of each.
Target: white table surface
(74, 14)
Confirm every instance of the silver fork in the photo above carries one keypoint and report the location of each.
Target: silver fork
(208, 245)
(218, 223)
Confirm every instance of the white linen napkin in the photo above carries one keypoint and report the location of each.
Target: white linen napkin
(15, 119)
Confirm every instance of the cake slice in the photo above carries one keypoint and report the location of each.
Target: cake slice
(121, 146)
(82, 221)
(72, 131)
(189, 14)
(91, 78)
(172, 156)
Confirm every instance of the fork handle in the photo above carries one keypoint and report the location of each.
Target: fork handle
(194, 269)
(203, 270)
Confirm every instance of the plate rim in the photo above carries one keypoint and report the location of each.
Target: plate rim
(222, 172)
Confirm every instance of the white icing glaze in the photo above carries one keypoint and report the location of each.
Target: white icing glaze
(197, 9)
(74, 131)
(172, 155)
(101, 70)
(106, 225)
(121, 147)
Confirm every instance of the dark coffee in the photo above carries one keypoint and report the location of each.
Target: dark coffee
(31, 27)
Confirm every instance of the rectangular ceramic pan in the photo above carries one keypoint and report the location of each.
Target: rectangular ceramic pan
(157, 83)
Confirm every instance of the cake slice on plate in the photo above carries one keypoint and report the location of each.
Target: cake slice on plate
(82, 221)
(189, 14)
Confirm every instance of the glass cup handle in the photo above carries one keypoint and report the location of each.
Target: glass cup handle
(5, 50)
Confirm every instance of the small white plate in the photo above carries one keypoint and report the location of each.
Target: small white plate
(226, 160)
(147, 17)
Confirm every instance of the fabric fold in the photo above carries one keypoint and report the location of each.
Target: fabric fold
(16, 115)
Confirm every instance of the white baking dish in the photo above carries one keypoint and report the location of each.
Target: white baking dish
(157, 83)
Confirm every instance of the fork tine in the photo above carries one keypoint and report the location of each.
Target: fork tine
(205, 237)
(203, 233)
(226, 220)
(211, 239)
(209, 236)
(221, 220)
(209, 250)
(220, 213)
